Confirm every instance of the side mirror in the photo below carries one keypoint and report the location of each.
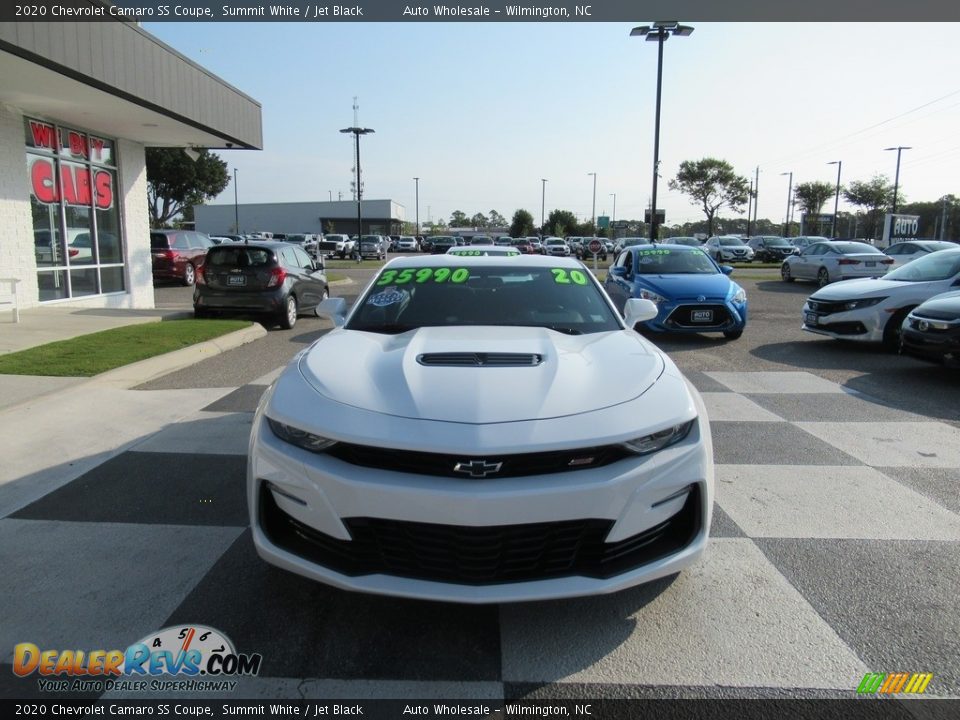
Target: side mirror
(335, 309)
(318, 264)
(636, 310)
(726, 269)
(618, 271)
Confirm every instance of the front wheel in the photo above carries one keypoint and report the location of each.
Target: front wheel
(189, 275)
(892, 332)
(785, 274)
(823, 277)
(732, 334)
(289, 316)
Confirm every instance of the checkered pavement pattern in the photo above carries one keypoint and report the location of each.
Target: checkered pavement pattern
(834, 553)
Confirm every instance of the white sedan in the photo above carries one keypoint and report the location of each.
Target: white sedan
(481, 430)
(904, 252)
(873, 310)
(829, 261)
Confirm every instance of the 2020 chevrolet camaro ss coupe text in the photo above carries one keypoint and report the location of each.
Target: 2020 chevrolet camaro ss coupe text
(481, 429)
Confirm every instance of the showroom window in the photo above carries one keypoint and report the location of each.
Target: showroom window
(76, 217)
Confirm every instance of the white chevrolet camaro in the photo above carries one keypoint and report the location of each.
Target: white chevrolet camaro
(481, 429)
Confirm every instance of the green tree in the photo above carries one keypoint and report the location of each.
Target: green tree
(522, 224)
(938, 218)
(459, 219)
(712, 184)
(811, 196)
(874, 196)
(561, 222)
(479, 221)
(496, 219)
(174, 181)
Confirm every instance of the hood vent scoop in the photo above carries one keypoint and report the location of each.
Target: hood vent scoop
(461, 359)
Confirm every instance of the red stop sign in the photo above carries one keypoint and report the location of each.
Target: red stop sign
(594, 246)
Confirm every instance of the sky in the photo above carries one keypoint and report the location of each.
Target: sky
(481, 112)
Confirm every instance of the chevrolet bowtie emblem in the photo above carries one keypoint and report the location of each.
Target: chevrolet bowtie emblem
(478, 468)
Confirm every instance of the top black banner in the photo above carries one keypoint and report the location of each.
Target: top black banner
(476, 11)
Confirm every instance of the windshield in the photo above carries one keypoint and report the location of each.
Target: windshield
(730, 242)
(853, 248)
(561, 299)
(936, 266)
(669, 261)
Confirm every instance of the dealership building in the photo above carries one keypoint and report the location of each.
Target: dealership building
(79, 103)
(379, 217)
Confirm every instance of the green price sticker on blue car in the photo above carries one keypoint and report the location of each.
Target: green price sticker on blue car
(658, 251)
(423, 275)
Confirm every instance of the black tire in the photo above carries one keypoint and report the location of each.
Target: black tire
(732, 334)
(288, 317)
(823, 277)
(785, 273)
(189, 275)
(891, 333)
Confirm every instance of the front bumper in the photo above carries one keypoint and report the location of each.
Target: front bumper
(865, 325)
(679, 317)
(580, 532)
(942, 346)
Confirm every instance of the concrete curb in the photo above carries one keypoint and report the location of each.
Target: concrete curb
(345, 281)
(145, 370)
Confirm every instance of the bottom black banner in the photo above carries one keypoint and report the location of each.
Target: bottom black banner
(603, 709)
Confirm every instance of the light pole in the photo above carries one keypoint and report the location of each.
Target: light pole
(836, 198)
(749, 207)
(896, 179)
(416, 182)
(786, 222)
(613, 222)
(236, 205)
(593, 211)
(756, 195)
(543, 203)
(658, 32)
(357, 132)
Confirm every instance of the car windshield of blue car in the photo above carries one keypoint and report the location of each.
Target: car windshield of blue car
(936, 266)
(566, 299)
(663, 261)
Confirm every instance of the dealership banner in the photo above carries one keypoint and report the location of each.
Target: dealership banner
(900, 227)
(475, 11)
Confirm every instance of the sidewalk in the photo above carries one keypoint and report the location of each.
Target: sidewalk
(42, 325)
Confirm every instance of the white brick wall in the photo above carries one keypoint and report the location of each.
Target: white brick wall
(17, 258)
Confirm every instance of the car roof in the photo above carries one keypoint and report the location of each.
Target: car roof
(536, 261)
(270, 244)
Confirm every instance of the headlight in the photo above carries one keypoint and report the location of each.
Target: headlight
(865, 302)
(300, 438)
(740, 297)
(660, 439)
(648, 295)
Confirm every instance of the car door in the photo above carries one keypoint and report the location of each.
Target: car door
(621, 288)
(314, 280)
(807, 262)
(300, 286)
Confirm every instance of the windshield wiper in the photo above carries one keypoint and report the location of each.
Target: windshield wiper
(564, 330)
(384, 328)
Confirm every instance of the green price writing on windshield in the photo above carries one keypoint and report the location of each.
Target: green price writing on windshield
(654, 252)
(423, 275)
(563, 277)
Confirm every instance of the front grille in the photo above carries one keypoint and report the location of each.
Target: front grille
(517, 465)
(827, 307)
(480, 555)
(480, 359)
(683, 316)
(843, 328)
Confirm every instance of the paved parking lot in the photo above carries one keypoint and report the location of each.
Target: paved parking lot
(835, 550)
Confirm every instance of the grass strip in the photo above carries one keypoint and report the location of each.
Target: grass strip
(92, 354)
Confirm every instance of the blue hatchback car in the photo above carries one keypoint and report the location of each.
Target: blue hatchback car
(693, 293)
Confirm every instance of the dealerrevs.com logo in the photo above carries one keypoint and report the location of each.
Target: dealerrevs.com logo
(181, 658)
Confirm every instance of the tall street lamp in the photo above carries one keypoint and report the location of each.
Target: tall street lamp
(236, 205)
(658, 32)
(749, 207)
(357, 132)
(416, 182)
(543, 203)
(896, 180)
(836, 198)
(786, 222)
(613, 222)
(593, 211)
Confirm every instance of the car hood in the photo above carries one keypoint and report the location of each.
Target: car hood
(673, 286)
(948, 304)
(577, 374)
(850, 289)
